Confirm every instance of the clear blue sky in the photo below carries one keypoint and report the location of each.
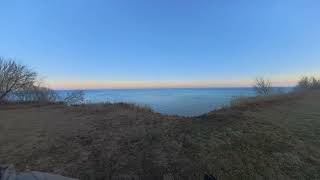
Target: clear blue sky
(173, 42)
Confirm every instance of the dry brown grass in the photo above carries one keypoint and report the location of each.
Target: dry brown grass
(261, 101)
(266, 138)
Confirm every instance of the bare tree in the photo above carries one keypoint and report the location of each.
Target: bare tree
(307, 83)
(263, 87)
(14, 77)
(303, 83)
(74, 97)
(315, 83)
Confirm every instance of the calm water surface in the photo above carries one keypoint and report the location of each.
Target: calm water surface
(185, 102)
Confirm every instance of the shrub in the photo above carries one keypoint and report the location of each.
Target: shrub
(36, 94)
(315, 83)
(263, 87)
(74, 97)
(308, 83)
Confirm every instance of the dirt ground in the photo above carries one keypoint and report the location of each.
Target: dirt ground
(275, 138)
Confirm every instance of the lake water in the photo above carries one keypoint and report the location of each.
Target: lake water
(184, 102)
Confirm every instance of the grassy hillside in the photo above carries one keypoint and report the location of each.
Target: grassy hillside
(273, 138)
(266, 138)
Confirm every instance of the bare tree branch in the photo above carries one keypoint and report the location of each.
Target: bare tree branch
(14, 77)
(308, 83)
(74, 97)
(263, 87)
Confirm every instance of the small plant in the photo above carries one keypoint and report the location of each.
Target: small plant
(263, 87)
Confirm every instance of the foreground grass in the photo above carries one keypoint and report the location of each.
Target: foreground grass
(266, 138)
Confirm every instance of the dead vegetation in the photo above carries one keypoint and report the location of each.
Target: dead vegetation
(14, 77)
(263, 87)
(308, 83)
(262, 101)
(74, 97)
(278, 138)
(20, 84)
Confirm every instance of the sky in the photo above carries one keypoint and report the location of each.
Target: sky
(168, 43)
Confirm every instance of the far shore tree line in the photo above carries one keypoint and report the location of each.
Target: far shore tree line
(21, 84)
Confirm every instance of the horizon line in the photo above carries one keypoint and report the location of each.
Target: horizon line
(169, 87)
(67, 85)
(151, 88)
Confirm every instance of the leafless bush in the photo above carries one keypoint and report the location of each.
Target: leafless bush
(308, 83)
(263, 87)
(14, 77)
(315, 83)
(74, 97)
(36, 94)
(303, 83)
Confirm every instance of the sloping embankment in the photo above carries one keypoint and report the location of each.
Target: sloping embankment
(269, 139)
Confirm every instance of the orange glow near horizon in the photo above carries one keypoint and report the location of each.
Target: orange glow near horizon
(160, 84)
